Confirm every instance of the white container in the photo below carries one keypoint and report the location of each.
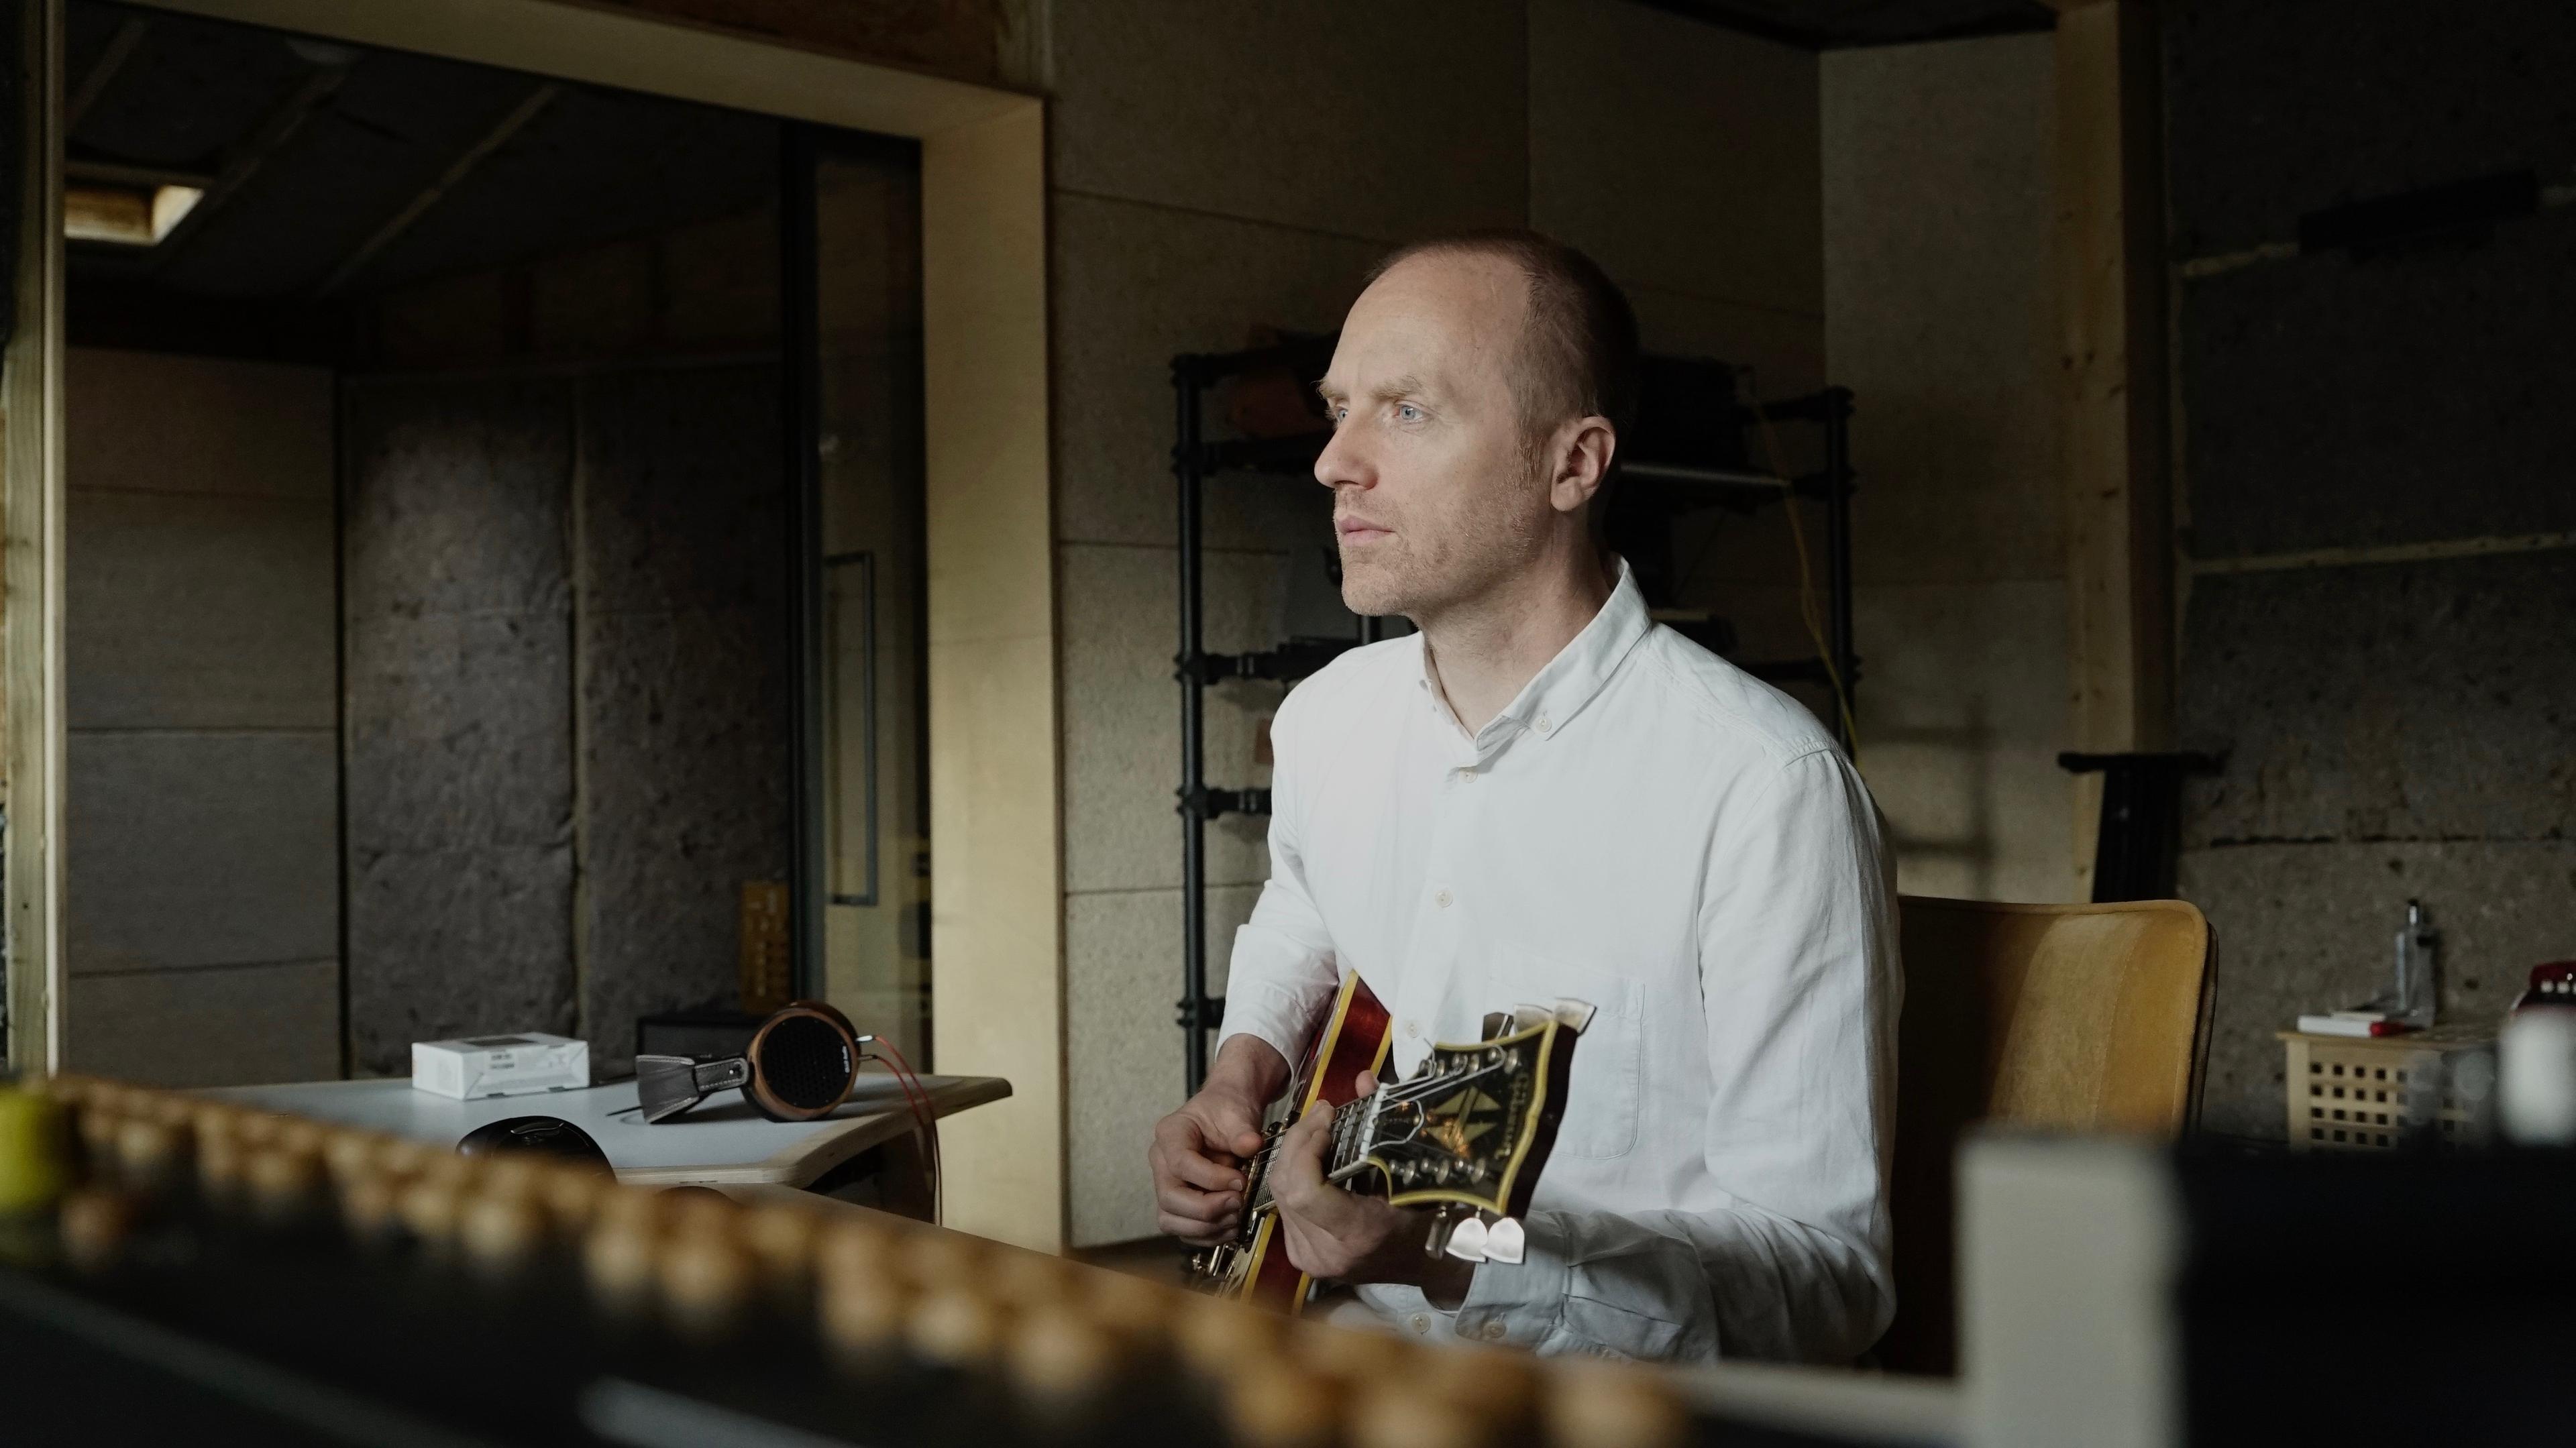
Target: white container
(518, 1065)
(2538, 1069)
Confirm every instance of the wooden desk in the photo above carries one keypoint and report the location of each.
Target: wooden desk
(723, 1142)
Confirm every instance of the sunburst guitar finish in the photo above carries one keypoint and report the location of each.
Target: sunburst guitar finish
(1466, 1134)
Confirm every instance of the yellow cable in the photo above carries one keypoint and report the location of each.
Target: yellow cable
(1806, 574)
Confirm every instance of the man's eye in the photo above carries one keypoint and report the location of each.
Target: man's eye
(1408, 412)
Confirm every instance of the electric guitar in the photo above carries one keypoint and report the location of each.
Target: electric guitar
(1467, 1133)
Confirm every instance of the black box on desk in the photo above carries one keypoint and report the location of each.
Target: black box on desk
(700, 1034)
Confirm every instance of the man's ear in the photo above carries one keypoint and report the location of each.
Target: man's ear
(1582, 452)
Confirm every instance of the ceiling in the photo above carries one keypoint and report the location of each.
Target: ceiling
(1840, 24)
(333, 171)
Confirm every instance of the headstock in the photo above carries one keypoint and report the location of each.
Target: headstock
(1470, 1129)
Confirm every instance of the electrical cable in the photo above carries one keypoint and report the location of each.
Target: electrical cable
(926, 1121)
(1806, 572)
(916, 1096)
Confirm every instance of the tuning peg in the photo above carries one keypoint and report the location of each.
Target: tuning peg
(1438, 1240)
(1505, 1241)
(1467, 1240)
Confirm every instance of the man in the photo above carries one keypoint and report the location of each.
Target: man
(1543, 794)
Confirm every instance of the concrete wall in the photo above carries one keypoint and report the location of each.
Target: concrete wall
(1941, 317)
(1218, 168)
(567, 716)
(203, 911)
(567, 697)
(2393, 699)
(458, 628)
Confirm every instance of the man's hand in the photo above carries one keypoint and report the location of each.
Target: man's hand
(1351, 1238)
(1198, 1150)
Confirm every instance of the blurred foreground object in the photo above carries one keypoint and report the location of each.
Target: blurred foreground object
(356, 1290)
(2123, 1294)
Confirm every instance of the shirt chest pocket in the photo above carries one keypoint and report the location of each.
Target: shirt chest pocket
(1602, 1093)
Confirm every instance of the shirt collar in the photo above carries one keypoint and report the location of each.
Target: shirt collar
(1574, 677)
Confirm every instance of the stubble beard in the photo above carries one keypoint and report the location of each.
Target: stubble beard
(1421, 573)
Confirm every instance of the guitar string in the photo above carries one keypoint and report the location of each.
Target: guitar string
(1400, 1094)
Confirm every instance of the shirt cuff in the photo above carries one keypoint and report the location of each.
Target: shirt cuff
(1520, 1302)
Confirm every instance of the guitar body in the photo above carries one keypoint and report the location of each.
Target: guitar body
(1465, 1136)
(1355, 1038)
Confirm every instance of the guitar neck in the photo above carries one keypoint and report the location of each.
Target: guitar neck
(1347, 1147)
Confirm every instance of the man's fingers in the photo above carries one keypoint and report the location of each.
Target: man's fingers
(1183, 1152)
(1194, 1233)
(1202, 1173)
(1179, 1135)
(1367, 1083)
(1204, 1208)
(1221, 1125)
(1299, 1167)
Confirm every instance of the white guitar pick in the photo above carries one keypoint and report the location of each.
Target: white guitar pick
(1504, 1241)
(1467, 1240)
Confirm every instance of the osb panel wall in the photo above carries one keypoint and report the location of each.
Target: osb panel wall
(567, 700)
(2396, 725)
(459, 735)
(683, 683)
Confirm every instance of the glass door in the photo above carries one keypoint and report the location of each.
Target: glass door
(864, 911)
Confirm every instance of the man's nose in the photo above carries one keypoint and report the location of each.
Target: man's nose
(1344, 462)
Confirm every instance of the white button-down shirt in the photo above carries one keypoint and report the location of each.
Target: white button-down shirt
(1654, 831)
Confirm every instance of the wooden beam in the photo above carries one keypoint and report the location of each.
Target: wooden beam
(31, 572)
(996, 868)
(463, 166)
(120, 49)
(117, 173)
(273, 131)
(2119, 525)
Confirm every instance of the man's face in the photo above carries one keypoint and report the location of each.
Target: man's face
(1434, 497)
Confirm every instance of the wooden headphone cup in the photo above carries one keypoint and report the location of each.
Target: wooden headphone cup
(804, 1062)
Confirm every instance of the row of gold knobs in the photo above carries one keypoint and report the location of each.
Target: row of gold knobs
(1068, 1338)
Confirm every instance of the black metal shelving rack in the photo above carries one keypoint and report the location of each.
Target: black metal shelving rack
(1195, 459)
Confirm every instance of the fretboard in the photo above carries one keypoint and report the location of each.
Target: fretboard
(1346, 1146)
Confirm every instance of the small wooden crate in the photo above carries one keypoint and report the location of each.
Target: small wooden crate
(2356, 1093)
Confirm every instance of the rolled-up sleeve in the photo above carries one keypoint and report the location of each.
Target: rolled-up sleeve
(1800, 984)
(1283, 968)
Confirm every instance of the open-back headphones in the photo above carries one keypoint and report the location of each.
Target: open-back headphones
(800, 1065)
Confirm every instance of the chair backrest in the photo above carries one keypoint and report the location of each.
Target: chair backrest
(2081, 1017)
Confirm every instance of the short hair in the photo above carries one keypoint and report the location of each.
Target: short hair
(1579, 352)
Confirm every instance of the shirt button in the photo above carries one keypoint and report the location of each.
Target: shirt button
(1422, 1322)
(1543, 725)
(1441, 899)
(1413, 1028)
(1491, 1332)
(1466, 776)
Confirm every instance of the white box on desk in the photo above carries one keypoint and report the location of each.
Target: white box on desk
(514, 1065)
